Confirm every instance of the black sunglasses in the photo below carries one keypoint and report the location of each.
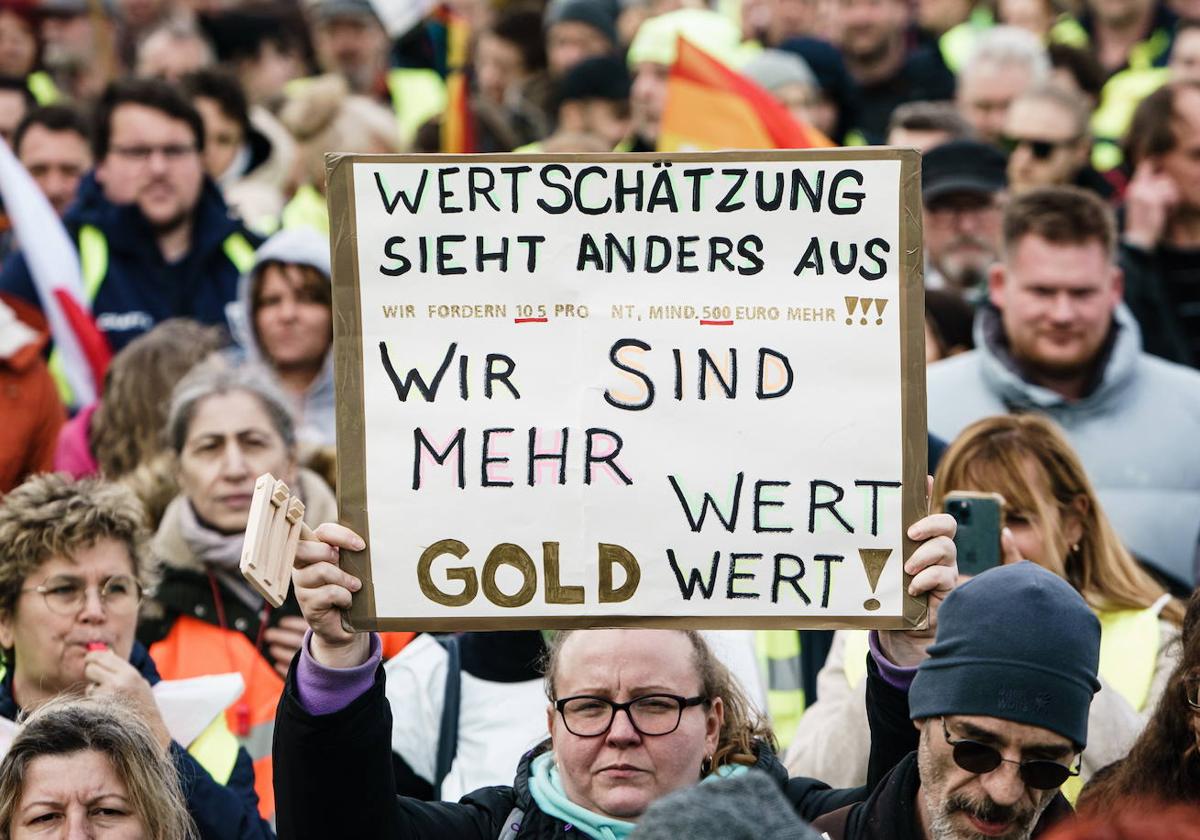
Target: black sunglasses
(980, 759)
(1041, 149)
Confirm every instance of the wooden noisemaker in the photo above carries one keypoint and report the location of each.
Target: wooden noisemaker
(275, 527)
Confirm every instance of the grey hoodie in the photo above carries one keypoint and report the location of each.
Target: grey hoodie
(315, 416)
(1136, 432)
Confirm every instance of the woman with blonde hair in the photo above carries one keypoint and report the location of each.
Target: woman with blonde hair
(1054, 518)
(90, 768)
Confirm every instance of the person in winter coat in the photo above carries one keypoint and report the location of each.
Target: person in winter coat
(633, 715)
(287, 326)
(1056, 340)
(1001, 717)
(1164, 764)
(227, 426)
(1056, 521)
(155, 238)
(73, 566)
(29, 402)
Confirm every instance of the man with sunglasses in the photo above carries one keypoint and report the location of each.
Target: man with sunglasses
(1049, 143)
(1000, 704)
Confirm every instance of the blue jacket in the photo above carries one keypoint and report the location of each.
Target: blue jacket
(222, 811)
(140, 288)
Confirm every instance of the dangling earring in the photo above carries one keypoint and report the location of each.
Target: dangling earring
(706, 766)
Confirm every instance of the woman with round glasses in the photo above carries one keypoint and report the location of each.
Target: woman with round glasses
(73, 566)
(1164, 764)
(633, 715)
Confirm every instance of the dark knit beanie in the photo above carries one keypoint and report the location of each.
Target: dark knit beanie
(598, 14)
(745, 807)
(602, 77)
(1016, 643)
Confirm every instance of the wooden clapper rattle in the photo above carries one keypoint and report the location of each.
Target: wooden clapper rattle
(275, 527)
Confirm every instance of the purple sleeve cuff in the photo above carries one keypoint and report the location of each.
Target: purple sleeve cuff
(323, 690)
(894, 675)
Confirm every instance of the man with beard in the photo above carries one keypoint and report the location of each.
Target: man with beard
(155, 238)
(1057, 339)
(1001, 715)
(962, 188)
(879, 47)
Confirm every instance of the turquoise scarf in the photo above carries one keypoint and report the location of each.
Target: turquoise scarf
(547, 790)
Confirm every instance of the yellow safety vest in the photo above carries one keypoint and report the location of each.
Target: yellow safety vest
(1129, 644)
(956, 43)
(779, 659)
(44, 91)
(307, 209)
(93, 267)
(418, 95)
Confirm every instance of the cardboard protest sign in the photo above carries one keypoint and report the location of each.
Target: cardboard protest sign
(682, 390)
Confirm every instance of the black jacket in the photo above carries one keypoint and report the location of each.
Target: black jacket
(345, 758)
(226, 811)
(1158, 285)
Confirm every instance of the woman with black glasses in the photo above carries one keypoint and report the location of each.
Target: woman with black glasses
(633, 715)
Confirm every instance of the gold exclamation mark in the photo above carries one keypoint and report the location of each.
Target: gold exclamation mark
(873, 560)
(851, 305)
(880, 303)
(866, 306)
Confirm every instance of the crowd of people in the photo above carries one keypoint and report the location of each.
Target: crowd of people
(181, 144)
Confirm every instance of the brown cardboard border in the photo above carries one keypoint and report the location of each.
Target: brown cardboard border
(348, 359)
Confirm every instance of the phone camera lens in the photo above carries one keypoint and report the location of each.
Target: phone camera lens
(961, 511)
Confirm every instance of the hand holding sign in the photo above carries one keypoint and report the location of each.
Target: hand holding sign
(324, 591)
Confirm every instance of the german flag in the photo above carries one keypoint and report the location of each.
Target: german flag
(710, 107)
(458, 123)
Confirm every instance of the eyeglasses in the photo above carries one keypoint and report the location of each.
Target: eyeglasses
(653, 714)
(173, 152)
(978, 758)
(1041, 149)
(65, 595)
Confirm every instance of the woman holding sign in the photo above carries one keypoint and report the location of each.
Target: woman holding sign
(633, 715)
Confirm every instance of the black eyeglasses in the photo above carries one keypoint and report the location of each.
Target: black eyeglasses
(974, 757)
(654, 714)
(1041, 149)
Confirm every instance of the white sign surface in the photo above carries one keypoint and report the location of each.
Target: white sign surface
(630, 389)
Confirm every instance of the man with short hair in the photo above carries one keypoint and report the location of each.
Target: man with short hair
(155, 238)
(890, 70)
(1049, 142)
(1004, 63)
(1160, 243)
(1001, 715)
(53, 144)
(1057, 340)
(962, 190)
(923, 125)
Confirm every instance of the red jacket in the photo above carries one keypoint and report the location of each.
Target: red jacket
(29, 401)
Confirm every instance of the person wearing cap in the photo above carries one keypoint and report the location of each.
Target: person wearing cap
(962, 190)
(1000, 714)
(787, 77)
(593, 99)
(1055, 338)
(836, 107)
(350, 40)
(650, 58)
(579, 29)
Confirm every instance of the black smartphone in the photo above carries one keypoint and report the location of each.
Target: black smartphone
(980, 516)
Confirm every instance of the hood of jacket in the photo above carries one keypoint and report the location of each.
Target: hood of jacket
(301, 246)
(1003, 375)
(127, 230)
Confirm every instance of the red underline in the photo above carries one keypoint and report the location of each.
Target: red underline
(706, 323)
(530, 320)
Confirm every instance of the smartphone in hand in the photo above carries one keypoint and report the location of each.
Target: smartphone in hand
(980, 516)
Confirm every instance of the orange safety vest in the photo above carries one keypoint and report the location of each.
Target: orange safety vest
(195, 648)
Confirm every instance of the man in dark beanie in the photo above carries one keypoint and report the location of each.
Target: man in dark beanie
(579, 29)
(1001, 704)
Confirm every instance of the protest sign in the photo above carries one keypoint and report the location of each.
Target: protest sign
(682, 390)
